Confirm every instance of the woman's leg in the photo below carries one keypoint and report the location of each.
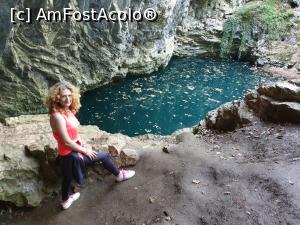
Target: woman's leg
(105, 158)
(66, 163)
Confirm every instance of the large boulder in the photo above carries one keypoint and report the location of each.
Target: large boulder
(282, 91)
(228, 116)
(19, 177)
(276, 103)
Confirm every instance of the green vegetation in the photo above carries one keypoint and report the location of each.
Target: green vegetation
(266, 18)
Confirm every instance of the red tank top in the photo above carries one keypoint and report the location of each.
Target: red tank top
(72, 128)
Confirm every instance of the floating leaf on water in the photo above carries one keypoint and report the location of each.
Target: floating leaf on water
(190, 87)
(219, 90)
(141, 98)
(156, 126)
(213, 100)
(137, 90)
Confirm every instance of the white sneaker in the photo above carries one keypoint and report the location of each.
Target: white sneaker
(66, 204)
(125, 175)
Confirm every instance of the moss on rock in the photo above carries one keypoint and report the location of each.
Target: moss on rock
(269, 18)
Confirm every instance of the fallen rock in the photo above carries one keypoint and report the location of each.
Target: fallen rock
(165, 149)
(129, 157)
(118, 140)
(113, 150)
(228, 117)
(152, 199)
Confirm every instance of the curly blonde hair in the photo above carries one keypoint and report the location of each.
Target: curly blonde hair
(53, 98)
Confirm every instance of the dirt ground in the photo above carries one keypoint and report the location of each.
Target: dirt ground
(249, 176)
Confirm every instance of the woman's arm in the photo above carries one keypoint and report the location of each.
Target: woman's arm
(58, 124)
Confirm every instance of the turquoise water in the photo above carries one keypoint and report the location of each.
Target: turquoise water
(175, 97)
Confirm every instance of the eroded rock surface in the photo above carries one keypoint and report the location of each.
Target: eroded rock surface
(19, 176)
(200, 31)
(279, 102)
(229, 116)
(28, 172)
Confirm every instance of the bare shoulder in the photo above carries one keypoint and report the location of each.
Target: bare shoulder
(56, 119)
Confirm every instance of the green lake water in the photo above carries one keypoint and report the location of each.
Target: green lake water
(175, 97)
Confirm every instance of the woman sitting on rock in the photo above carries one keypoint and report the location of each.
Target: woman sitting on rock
(63, 103)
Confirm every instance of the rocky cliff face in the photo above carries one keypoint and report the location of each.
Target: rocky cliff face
(88, 54)
(200, 31)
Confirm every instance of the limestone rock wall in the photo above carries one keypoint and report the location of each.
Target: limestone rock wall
(91, 54)
(88, 54)
(200, 31)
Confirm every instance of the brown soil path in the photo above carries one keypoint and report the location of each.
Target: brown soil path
(250, 176)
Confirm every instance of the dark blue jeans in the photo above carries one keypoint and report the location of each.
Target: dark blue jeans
(73, 166)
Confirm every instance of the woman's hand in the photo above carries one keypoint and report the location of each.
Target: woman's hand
(90, 153)
(80, 142)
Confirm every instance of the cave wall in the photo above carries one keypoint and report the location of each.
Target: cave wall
(87, 54)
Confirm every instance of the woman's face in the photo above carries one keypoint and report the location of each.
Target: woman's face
(65, 98)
